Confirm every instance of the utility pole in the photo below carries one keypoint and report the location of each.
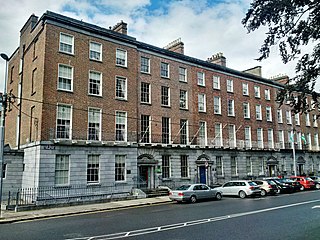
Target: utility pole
(2, 125)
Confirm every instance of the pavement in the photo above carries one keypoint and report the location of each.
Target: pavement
(12, 216)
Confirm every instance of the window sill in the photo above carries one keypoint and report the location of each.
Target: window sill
(145, 103)
(121, 66)
(218, 89)
(183, 81)
(165, 106)
(164, 77)
(65, 90)
(201, 85)
(184, 109)
(122, 99)
(146, 73)
(94, 95)
(96, 60)
(67, 53)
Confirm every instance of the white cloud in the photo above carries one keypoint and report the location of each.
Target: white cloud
(205, 27)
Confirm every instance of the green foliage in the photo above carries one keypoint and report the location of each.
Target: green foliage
(294, 26)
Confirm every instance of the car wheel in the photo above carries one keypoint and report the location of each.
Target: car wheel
(318, 186)
(278, 191)
(218, 196)
(263, 192)
(193, 199)
(242, 194)
(302, 188)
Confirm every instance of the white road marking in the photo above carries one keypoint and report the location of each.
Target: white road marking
(316, 207)
(187, 224)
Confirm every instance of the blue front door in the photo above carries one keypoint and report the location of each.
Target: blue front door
(203, 178)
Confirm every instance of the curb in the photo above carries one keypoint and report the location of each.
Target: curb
(84, 211)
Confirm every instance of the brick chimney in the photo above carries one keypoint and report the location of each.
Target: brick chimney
(218, 59)
(121, 27)
(281, 78)
(255, 71)
(176, 46)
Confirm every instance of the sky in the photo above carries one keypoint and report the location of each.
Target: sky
(206, 27)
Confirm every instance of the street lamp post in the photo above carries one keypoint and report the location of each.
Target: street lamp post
(294, 155)
(2, 126)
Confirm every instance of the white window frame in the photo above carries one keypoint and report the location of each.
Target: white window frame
(184, 162)
(121, 57)
(246, 110)
(62, 169)
(96, 121)
(120, 160)
(183, 74)
(168, 167)
(142, 66)
(230, 85)
(232, 135)
(231, 111)
(183, 100)
(61, 42)
(164, 70)
(166, 97)
(316, 141)
(270, 138)
(288, 118)
(245, 89)
(145, 94)
(203, 131)
(247, 137)
(93, 169)
(125, 90)
(258, 112)
(186, 128)
(145, 129)
(202, 102)
(69, 128)
(217, 105)
(201, 79)
(218, 135)
(95, 81)
(95, 49)
(307, 115)
(267, 94)
(281, 138)
(169, 130)
(216, 82)
(257, 91)
(268, 114)
(64, 78)
(260, 138)
(121, 115)
(315, 120)
(279, 116)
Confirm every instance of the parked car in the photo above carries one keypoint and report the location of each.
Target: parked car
(316, 180)
(267, 187)
(283, 186)
(241, 188)
(296, 185)
(306, 182)
(194, 192)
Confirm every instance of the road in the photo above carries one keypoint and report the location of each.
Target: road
(294, 216)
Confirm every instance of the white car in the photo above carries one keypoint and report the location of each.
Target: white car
(241, 188)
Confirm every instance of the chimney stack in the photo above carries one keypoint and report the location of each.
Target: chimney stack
(121, 27)
(30, 24)
(176, 46)
(255, 71)
(281, 78)
(218, 59)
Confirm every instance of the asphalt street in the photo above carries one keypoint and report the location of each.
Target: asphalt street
(292, 216)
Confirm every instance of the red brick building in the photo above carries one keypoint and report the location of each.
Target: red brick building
(91, 105)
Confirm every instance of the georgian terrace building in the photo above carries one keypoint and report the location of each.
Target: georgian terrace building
(91, 105)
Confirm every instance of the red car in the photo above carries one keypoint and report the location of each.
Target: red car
(306, 182)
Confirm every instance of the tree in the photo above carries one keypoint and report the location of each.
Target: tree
(292, 25)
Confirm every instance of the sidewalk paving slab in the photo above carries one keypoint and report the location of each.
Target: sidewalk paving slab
(12, 216)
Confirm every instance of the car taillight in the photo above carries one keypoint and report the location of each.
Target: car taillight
(251, 188)
(180, 194)
(170, 193)
(270, 186)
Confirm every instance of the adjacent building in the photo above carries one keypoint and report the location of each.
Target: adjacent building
(93, 106)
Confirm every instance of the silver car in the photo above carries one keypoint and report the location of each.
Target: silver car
(241, 188)
(194, 192)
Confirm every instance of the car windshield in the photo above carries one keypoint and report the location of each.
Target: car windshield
(270, 182)
(183, 187)
(308, 179)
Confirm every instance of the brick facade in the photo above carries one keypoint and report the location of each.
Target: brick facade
(40, 57)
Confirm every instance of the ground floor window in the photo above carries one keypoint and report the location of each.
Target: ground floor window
(165, 166)
(93, 169)
(62, 170)
(234, 166)
(219, 168)
(184, 166)
(120, 167)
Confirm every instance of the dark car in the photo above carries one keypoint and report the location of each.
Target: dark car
(306, 182)
(296, 185)
(283, 185)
